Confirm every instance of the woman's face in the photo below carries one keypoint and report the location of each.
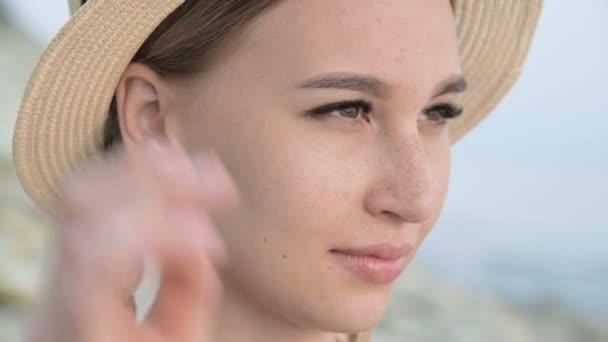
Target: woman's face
(376, 172)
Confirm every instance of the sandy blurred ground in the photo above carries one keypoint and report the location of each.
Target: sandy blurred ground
(424, 307)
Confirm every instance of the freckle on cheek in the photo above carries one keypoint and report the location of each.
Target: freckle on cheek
(265, 239)
(284, 256)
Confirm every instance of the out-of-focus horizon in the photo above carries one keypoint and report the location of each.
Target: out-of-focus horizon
(525, 216)
(529, 185)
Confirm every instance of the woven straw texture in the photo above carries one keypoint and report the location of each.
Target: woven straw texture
(66, 102)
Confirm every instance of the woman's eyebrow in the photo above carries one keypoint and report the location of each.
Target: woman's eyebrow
(454, 84)
(374, 86)
(348, 81)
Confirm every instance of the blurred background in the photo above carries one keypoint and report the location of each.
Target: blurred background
(520, 252)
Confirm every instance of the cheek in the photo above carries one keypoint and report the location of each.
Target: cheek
(295, 192)
(291, 180)
(440, 159)
(285, 200)
(295, 209)
(292, 193)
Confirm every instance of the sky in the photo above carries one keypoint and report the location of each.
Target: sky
(529, 185)
(526, 211)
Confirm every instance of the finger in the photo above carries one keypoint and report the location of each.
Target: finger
(186, 253)
(107, 249)
(88, 295)
(221, 193)
(189, 291)
(200, 178)
(98, 183)
(115, 213)
(102, 275)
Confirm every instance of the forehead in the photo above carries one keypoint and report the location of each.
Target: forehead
(392, 39)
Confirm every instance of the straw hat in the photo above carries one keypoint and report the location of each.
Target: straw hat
(65, 106)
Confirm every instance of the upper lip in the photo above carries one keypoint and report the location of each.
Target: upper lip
(385, 251)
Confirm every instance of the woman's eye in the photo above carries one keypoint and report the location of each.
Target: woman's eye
(440, 114)
(351, 113)
(355, 110)
(350, 110)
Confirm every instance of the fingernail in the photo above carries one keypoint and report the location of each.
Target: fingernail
(212, 173)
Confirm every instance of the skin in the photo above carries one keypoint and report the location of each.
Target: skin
(304, 185)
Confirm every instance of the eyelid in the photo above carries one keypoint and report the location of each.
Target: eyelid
(328, 108)
(447, 110)
(452, 109)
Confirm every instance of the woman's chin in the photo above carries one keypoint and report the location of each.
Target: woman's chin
(354, 313)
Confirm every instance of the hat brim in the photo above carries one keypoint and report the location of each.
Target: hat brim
(63, 112)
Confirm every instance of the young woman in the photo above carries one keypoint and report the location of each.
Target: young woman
(281, 161)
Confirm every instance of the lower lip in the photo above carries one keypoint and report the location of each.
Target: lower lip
(371, 269)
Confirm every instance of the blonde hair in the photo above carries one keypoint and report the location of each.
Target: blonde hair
(188, 41)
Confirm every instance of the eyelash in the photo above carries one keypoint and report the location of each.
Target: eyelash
(326, 110)
(446, 111)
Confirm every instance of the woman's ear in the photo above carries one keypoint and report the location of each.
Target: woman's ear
(142, 101)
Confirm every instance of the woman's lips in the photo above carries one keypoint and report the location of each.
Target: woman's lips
(377, 264)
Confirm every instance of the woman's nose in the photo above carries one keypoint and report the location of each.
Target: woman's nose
(405, 187)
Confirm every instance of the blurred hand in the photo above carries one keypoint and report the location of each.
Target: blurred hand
(154, 201)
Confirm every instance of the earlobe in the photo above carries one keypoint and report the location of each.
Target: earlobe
(141, 99)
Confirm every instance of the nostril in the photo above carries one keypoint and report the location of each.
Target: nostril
(391, 215)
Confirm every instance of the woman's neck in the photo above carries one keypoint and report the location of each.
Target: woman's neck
(240, 320)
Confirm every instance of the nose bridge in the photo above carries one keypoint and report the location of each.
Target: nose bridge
(407, 186)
